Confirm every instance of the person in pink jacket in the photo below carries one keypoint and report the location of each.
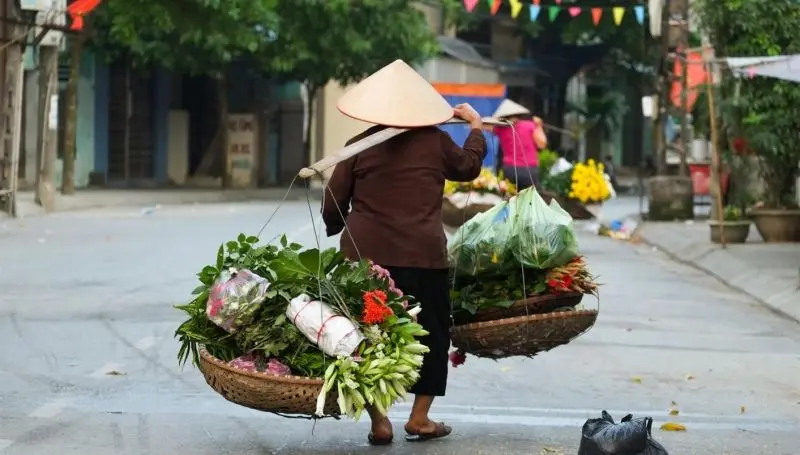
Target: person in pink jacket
(520, 144)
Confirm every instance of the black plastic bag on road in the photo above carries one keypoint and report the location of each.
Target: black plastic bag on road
(629, 437)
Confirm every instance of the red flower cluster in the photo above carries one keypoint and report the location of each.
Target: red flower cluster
(561, 284)
(457, 358)
(375, 309)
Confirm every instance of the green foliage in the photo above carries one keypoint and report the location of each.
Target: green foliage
(560, 183)
(764, 111)
(194, 36)
(732, 213)
(319, 41)
(547, 158)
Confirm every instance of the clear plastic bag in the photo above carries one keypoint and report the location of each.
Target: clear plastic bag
(523, 231)
(235, 298)
(629, 437)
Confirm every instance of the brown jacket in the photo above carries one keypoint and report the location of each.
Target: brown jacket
(391, 196)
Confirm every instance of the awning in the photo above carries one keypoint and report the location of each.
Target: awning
(785, 67)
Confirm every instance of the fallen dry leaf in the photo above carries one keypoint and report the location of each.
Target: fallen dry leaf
(742, 409)
(672, 426)
(636, 380)
(674, 411)
(505, 369)
(673, 403)
(551, 451)
(689, 377)
(115, 373)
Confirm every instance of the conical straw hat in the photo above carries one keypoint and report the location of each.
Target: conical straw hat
(508, 108)
(397, 96)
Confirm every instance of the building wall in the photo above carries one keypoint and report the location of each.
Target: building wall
(446, 69)
(335, 128)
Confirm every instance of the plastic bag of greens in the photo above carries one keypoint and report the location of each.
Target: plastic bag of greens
(523, 231)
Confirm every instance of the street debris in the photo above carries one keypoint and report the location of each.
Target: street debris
(673, 426)
(636, 380)
(690, 377)
(115, 373)
(616, 229)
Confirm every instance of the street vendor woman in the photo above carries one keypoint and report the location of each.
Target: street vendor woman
(520, 144)
(387, 203)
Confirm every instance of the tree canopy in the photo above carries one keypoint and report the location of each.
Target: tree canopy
(762, 111)
(193, 36)
(318, 41)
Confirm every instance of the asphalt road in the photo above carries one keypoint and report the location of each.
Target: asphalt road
(86, 294)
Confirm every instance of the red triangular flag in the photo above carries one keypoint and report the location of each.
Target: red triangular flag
(470, 5)
(496, 6)
(574, 11)
(536, 2)
(597, 13)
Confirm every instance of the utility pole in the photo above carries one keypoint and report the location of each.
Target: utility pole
(682, 25)
(48, 126)
(662, 91)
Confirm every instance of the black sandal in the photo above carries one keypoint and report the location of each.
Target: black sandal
(441, 430)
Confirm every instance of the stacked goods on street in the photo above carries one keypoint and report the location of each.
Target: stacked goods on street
(518, 280)
(464, 200)
(289, 330)
(581, 188)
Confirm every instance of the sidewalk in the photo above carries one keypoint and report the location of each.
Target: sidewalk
(768, 272)
(98, 198)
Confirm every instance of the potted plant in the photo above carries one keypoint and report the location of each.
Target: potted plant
(735, 225)
(763, 111)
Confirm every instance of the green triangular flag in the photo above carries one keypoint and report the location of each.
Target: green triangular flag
(552, 12)
(490, 3)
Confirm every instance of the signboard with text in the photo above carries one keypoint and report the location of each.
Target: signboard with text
(242, 137)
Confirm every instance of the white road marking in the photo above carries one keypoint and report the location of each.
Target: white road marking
(5, 443)
(103, 370)
(52, 408)
(146, 343)
(587, 413)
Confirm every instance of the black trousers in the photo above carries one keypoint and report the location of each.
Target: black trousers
(431, 288)
(523, 176)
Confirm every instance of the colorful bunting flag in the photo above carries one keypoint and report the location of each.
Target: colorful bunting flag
(534, 11)
(619, 13)
(495, 4)
(597, 13)
(516, 7)
(639, 11)
(552, 12)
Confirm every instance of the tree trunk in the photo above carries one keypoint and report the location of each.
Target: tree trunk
(222, 110)
(71, 120)
(48, 126)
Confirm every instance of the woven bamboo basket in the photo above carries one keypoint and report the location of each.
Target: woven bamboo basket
(522, 336)
(264, 392)
(532, 305)
(456, 217)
